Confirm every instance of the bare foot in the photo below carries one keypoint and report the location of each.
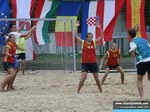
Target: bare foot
(13, 88)
(9, 89)
(100, 91)
(78, 92)
(1, 89)
(141, 99)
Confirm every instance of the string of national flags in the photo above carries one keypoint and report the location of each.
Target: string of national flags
(105, 12)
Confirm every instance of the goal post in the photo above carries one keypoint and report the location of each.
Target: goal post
(54, 55)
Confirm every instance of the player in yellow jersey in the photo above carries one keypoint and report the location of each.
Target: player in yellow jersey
(21, 53)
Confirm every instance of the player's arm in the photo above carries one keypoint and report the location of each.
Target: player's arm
(120, 57)
(132, 53)
(28, 36)
(21, 27)
(101, 34)
(102, 60)
(133, 47)
(7, 49)
(28, 33)
(76, 32)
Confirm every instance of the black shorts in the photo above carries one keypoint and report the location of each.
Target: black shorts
(7, 65)
(143, 67)
(90, 67)
(22, 56)
(112, 67)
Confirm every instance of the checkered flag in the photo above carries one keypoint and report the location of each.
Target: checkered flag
(93, 21)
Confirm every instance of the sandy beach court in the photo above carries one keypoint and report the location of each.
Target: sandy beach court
(56, 91)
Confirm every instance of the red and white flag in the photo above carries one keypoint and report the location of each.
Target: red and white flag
(23, 9)
(107, 10)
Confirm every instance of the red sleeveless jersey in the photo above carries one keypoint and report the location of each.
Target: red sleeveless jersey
(112, 58)
(12, 50)
(88, 52)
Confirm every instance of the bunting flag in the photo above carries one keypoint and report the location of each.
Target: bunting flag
(63, 29)
(107, 10)
(23, 9)
(135, 16)
(44, 9)
(4, 25)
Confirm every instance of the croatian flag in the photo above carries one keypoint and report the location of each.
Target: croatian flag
(92, 21)
(108, 12)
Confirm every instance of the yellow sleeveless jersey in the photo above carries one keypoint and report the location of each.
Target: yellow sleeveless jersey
(21, 44)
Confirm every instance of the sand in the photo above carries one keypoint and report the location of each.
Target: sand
(55, 91)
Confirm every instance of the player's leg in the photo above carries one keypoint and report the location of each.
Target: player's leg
(23, 66)
(148, 72)
(7, 79)
(16, 69)
(141, 71)
(148, 76)
(106, 74)
(12, 82)
(96, 77)
(85, 69)
(83, 78)
(119, 68)
(23, 58)
(95, 70)
(140, 85)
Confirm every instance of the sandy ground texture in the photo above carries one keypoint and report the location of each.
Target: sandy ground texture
(55, 91)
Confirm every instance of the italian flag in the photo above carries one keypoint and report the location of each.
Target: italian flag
(135, 16)
(23, 9)
(44, 9)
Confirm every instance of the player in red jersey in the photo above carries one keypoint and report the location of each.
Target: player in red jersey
(112, 56)
(8, 62)
(89, 61)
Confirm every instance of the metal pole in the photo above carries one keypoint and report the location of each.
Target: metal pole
(34, 19)
(65, 53)
(73, 46)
